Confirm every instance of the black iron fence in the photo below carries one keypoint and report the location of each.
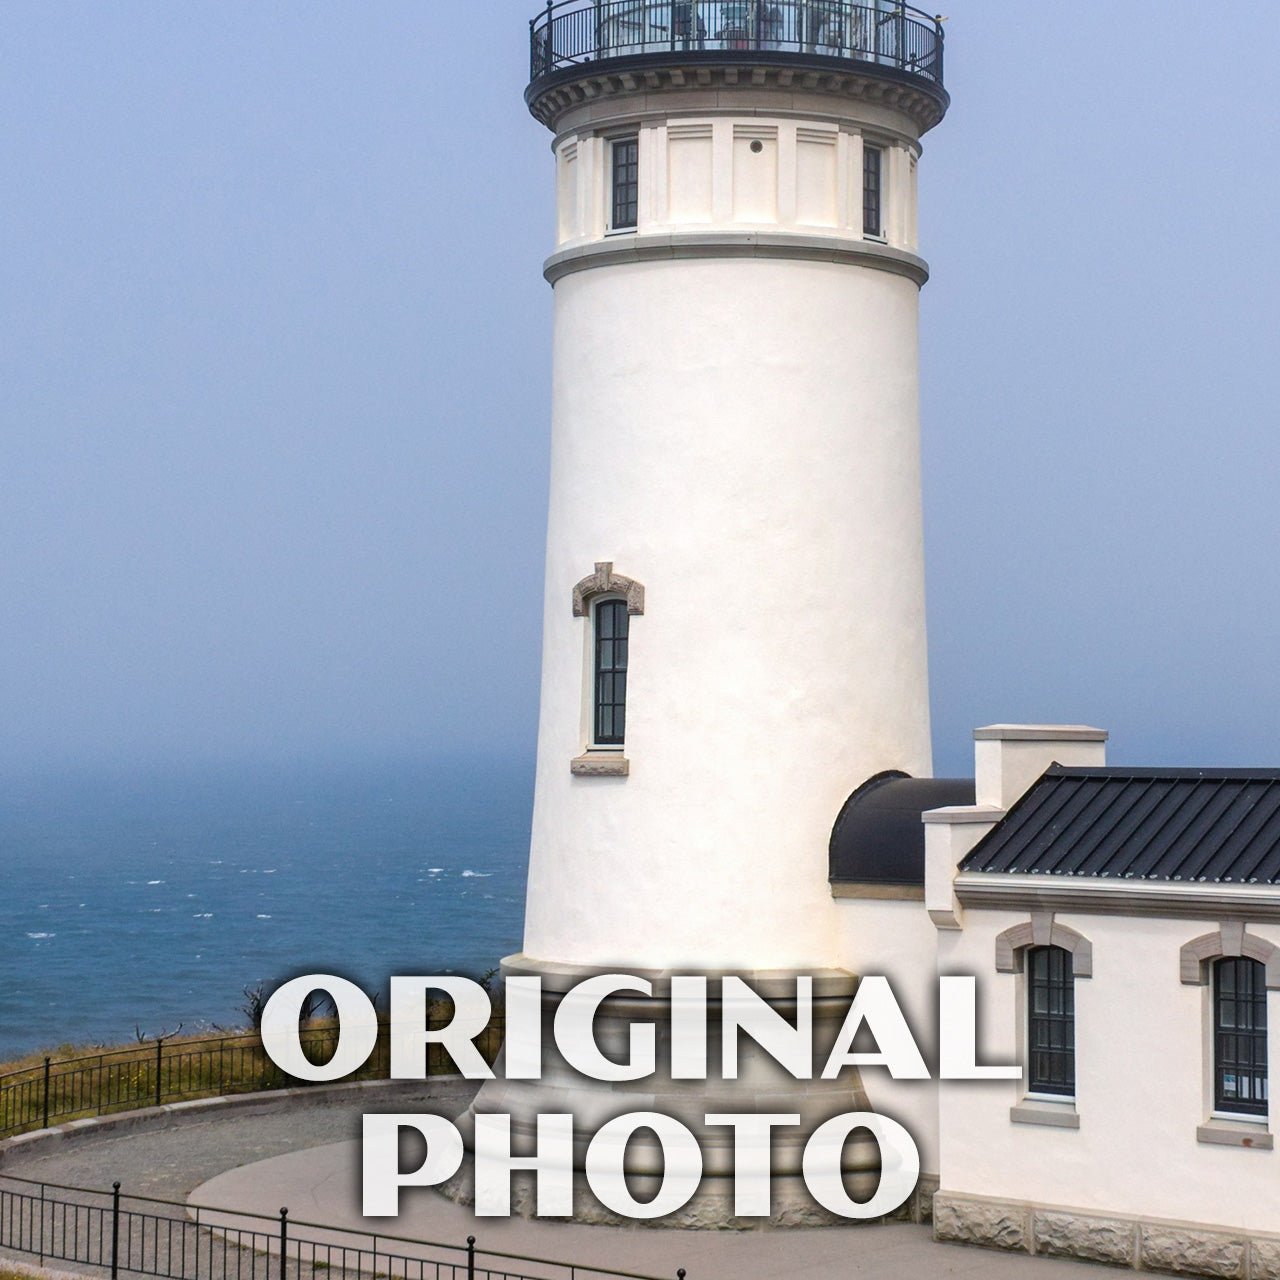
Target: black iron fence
(150, 1075)
(572, 32)
(120, 1234)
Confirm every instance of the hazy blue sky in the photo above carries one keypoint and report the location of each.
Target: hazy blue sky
(274, 351)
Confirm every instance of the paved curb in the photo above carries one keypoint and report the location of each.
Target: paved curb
(41, 1273)
(173, 1115)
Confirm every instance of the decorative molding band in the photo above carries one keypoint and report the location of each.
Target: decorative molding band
(1039, 733)
(698, 131)
(1122, 1240)
(884, 892)
(1230, 939)
(600, 764)
(636, 80)
(1081, 896)
(1042, 931)
(832, 988)
(605, 582)
(735, 244)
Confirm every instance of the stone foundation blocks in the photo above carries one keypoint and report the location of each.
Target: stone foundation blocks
(1196, 1253)
(1073, 1235)
(993, 1223)
(1142, 1244)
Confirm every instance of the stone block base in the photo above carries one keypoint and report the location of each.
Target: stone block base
(1144, 1244)
(710, 1209)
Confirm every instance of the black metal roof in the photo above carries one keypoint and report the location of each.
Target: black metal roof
(879, 836)
(1220, 826)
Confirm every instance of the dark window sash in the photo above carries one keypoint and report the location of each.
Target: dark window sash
(872, 191)
(1051, 1032)
(625, 184)
(1240, 1036)
(612, 625)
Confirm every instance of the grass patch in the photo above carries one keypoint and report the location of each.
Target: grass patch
(101, 1081)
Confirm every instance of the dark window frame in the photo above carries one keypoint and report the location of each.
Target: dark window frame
(624, 183)
(872, 190)
(1051, 1024)
(611, 626)
(1239, 987)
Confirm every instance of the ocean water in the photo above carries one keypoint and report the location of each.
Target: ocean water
(139, 902)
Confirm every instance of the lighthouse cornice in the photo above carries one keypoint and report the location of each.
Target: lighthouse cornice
(735, 244)
(794, 83)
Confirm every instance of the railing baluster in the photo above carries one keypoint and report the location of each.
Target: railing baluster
(115, 1230)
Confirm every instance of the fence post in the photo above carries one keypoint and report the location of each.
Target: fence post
(45, 1125)
(115, 1230)
(284, 1240)
(159, 1061)
(471, 1258)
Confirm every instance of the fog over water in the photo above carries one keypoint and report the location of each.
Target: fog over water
(274, 391)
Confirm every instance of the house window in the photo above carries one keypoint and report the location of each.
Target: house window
(1240, 1036)
(872, 185)
(612, 621)
(1051, 1033)
(626, 184)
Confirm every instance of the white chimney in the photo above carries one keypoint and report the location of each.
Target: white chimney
(1008, 758)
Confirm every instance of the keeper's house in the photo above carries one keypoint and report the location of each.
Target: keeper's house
(1125, 927)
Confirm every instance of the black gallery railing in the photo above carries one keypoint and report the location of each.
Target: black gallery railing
(120, 1234)
(569, 33)
(170, 1070)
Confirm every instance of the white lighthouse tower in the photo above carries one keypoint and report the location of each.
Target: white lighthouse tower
(734, 625)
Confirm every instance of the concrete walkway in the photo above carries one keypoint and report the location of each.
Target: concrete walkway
(308, 1160)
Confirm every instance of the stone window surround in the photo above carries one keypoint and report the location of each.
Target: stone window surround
(1011, 948)
(1231, 939)
(604, 762)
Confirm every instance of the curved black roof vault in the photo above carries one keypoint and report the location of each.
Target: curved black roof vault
(878, 839)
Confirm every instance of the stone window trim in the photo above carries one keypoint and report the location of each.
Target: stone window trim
(1053, 1113)
(1043, 931)
(1232, 938)
(600, 763)
(604, 582)
(1011, 952)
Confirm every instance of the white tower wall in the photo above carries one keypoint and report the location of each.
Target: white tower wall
(740, 436)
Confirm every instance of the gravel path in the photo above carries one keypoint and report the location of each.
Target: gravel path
(169, 1165)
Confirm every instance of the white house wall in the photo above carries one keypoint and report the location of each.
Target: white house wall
(1143, 1086)
(897, 940)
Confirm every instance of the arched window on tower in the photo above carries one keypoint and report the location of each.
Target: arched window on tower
(611, 629)
(1051, 1022)
(607, 601)
(1240, 1036)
